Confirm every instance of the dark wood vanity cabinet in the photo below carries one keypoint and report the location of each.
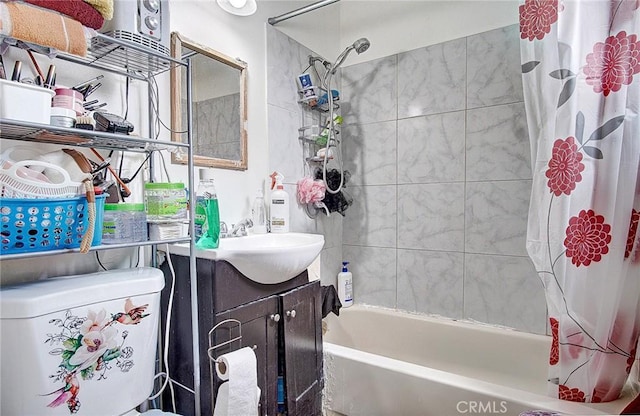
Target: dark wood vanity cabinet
(302, 344)
(281, 322)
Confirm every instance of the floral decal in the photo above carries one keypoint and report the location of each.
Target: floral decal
(89, 345)
(536, 18)
(570, 394)
(564, 167)
(633, 230)
(613, 63)
(588, 238)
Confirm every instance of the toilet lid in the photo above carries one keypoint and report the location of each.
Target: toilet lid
(157, 412)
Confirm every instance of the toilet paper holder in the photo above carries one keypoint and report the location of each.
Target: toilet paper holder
(211, 348)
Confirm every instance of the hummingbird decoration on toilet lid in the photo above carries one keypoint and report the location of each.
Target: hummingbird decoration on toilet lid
(132, 314)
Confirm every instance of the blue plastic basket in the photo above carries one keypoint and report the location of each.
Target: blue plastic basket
(30, 225)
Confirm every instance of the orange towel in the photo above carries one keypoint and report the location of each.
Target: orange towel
(43, 27)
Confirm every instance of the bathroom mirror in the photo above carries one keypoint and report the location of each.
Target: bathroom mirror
(219, 106)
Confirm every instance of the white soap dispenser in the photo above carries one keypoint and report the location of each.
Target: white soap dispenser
(345, 286)
(259, 215)
(279, 205)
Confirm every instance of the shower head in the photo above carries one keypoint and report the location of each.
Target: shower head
(359, 46)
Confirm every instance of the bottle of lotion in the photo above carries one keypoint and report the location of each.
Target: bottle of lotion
(345, 286)
(279, 205)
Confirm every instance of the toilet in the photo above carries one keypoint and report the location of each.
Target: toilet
(80, 345)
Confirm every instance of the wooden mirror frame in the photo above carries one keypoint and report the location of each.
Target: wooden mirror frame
(177, 42)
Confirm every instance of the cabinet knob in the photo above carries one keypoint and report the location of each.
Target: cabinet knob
(275, 317)
(291, 313)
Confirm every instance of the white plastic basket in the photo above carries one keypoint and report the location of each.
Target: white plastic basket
(17, 182)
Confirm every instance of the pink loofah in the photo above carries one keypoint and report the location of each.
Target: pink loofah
(310, 190)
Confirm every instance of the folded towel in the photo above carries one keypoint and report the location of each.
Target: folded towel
(42, 27)
(76, 9)
(105, 7)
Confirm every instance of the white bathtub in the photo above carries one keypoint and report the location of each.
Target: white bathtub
(380, 362)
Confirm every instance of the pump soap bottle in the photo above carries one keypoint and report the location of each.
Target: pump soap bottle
(258, 214)
(345, 286)
(279, 205)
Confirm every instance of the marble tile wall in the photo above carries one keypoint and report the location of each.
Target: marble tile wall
(286, 59)
(218, 122)
(437, 144)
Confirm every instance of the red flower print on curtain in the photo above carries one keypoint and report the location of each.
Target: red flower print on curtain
(536, 18)
(588, 238)
(633, 229)
(554, 356)
(613, 63)
(572, 395)
(580, 63)
(564, 167)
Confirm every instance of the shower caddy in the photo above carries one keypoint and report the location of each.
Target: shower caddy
(314, 123)
(131, 61)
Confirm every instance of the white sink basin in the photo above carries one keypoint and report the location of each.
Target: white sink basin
(264, 258)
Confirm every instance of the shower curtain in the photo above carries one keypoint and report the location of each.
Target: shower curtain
(581, 78)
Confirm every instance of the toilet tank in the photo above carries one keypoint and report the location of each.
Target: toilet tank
(79, 345)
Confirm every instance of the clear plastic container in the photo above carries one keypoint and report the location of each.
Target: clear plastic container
(124, 223)
(165, 201)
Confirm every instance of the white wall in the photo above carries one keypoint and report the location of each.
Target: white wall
(400, 26)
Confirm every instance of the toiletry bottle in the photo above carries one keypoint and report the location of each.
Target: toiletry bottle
(307, 90)
(345, 286)
(279, 206)
(258, 214)
(323, 138)
(207, 214)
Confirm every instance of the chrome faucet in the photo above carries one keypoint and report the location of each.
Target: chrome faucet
(240, 229)
(224, 231)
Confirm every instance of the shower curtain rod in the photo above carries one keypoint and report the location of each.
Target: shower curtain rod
(274, 20)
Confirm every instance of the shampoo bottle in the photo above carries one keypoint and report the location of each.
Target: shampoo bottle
(279, 205)
(345, 286)
(207, 214)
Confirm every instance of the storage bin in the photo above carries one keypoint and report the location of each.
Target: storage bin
(165, 201)
(25, 102)
(31, 225)
(124, 223)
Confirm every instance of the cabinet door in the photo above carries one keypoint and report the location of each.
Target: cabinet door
(259, 329)
(302, 316)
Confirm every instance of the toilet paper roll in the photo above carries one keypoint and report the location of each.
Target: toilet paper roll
(222, 400)
(238, 395)
(224, 361)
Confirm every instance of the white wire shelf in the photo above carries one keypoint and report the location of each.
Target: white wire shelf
(45, 133)
(95, 248)
(110, 54)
